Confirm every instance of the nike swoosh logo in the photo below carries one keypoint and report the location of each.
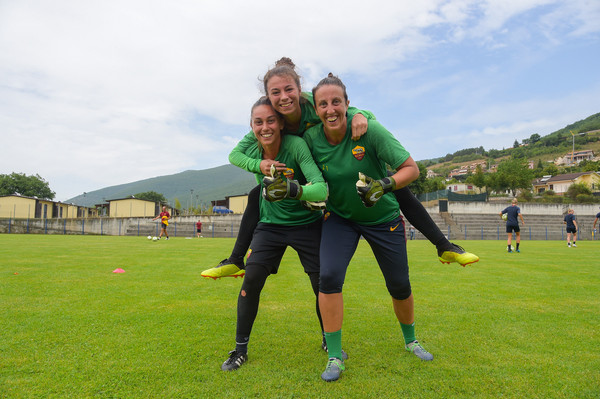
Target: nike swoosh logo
(374, 197)
(395, 227)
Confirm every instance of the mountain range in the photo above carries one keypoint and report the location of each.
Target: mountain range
(191, 186)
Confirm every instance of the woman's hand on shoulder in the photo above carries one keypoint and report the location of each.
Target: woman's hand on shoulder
(265, 166)
(360, 124)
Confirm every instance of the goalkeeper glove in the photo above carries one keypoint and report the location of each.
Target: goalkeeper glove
(370, 191)
(278, 188)
(314, 206)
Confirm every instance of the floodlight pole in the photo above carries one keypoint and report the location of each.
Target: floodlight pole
(191, 199)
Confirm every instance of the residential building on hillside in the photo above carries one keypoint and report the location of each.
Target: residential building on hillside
(463, 170)
(561, 183)
(458, 173)
(462, 188)
(573, 158)
(431, 174)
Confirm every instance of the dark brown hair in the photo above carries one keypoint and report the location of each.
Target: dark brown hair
(264, 100)
(283, 67)
(331, 79)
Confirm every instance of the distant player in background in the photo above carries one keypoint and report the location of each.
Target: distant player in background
(199, 229)
(595, 221)
(513, 212)
(571, 223)
(164, 222)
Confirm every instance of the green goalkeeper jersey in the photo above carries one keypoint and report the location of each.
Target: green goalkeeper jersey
(309, 118)
(300, 166)
(341, 163)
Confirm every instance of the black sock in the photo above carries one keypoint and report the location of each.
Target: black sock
(242, 347)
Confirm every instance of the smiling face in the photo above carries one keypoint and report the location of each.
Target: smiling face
(331, 106)
(266, 125)
(284, 94)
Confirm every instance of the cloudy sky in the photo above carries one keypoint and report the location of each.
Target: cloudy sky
(100, 93)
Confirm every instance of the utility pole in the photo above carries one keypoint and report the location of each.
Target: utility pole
(573, 152)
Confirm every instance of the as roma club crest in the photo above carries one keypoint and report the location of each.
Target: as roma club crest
(358, 152)
(289, 173)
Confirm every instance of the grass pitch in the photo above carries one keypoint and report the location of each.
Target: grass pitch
(513, 325)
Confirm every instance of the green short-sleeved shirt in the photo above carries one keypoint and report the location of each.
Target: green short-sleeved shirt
(309, 118)
(300, 166)
(341, 163)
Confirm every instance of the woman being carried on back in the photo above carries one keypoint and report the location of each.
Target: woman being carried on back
(282, 87)
(284, 221)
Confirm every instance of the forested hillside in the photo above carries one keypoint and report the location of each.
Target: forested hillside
(586, 136)
(207, 185)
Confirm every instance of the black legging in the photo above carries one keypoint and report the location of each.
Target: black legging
(249, 297)
(410, 206)
(247, 225)
(416, 214)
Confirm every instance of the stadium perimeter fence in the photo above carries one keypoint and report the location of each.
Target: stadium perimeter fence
(215, 227)
(498, 232)
(228, 227)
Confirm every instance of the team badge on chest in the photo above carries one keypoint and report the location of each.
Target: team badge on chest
(289, 173)
(358, 152)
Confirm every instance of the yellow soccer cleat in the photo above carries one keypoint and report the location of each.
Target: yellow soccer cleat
(457, 254)
(225, 269)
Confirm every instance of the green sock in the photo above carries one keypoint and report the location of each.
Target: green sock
(334, 343)
(408, 330)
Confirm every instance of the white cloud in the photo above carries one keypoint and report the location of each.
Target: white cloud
(92, 91)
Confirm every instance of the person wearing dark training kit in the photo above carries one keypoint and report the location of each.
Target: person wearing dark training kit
(513, 212)
(282, 86)
(595, 221)
(571, 221)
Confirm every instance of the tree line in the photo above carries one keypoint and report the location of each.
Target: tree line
(27, 186)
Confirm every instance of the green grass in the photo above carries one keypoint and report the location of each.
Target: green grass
(513, 325)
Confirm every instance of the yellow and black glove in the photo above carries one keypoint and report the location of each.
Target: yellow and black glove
(370, 190)
(276, 188)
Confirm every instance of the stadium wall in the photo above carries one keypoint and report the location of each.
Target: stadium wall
(526, 208)
(464, 220)
(181, 226)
